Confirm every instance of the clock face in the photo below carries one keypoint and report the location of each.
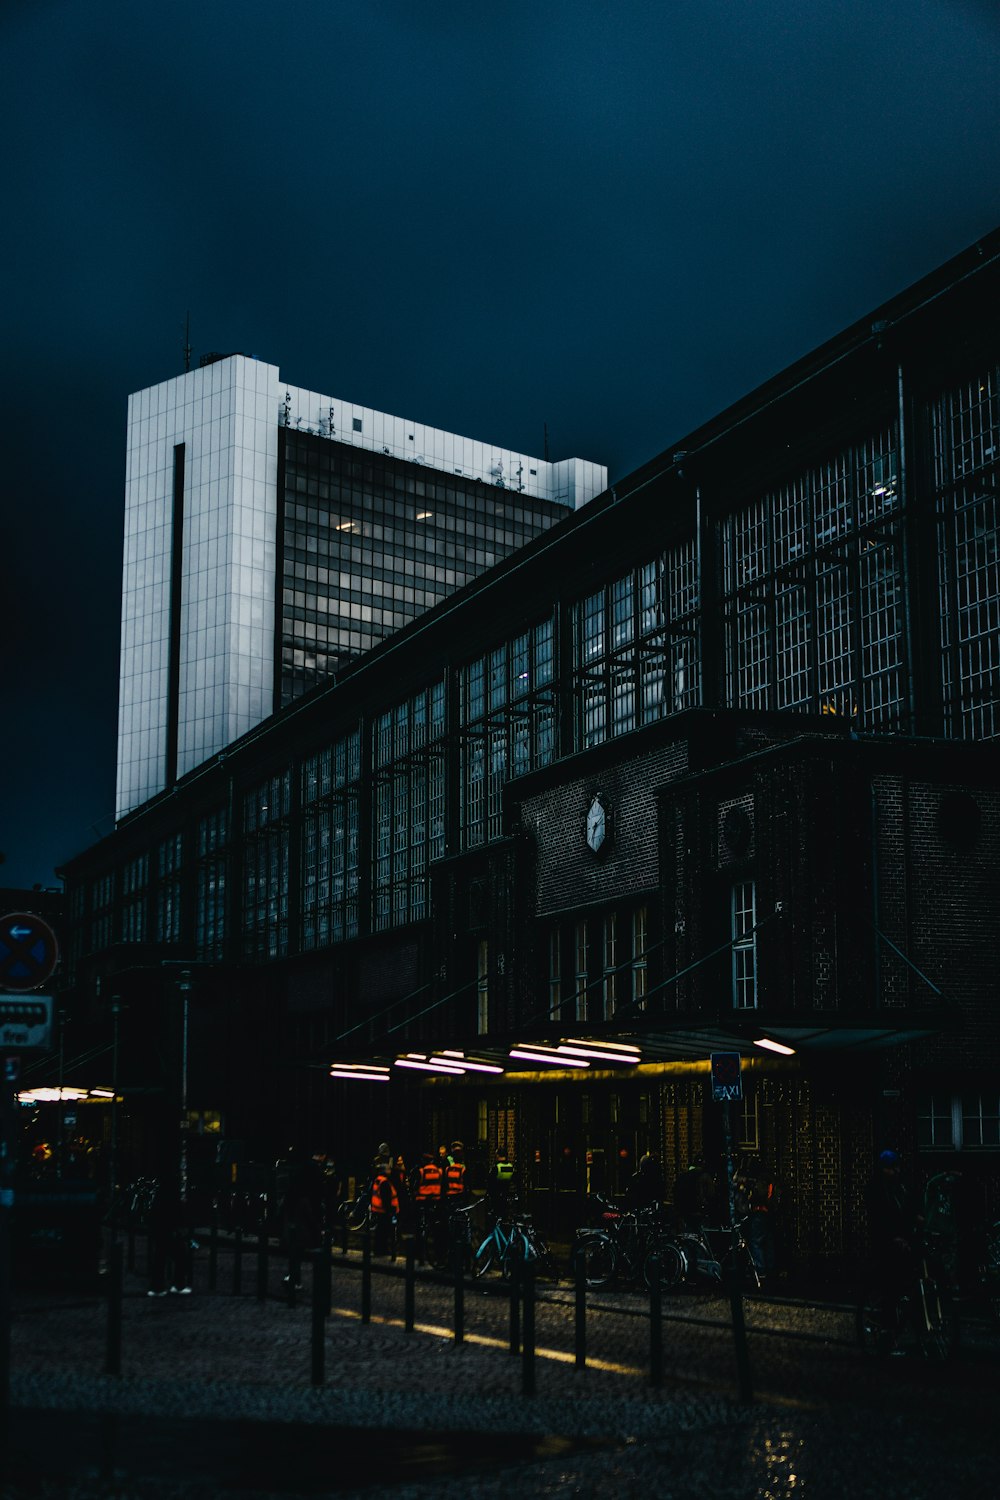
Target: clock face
(596, 825)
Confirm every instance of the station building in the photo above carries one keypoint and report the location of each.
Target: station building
(709, 765)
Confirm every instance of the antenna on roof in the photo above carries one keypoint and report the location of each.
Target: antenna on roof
(545, 453)
(187, 342)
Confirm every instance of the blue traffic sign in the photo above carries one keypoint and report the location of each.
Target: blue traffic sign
(28, 951)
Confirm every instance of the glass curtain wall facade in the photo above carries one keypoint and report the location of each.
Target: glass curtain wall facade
(966, 434)
(331, 810)
(266, 826)
(508, 714)
(213, 837)
(370, 542)
(408, 791)
(637, 653)
(813, 614)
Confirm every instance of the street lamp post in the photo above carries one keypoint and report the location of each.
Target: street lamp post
(184, 985)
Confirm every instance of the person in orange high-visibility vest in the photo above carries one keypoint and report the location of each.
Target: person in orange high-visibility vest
(427, 1184)
(428, 1180)
(454, 1175)
(384, 1205)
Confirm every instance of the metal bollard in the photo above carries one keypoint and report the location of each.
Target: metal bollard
(740, 1335)
(580, 1329)
(237, 1261)
(528, 1340)
(459, 1296)
(515, 1306)
(113, 1361)
(213, 1250)
(320, 1306)
(327, 1252)
(366, 1277)
(655, 1323)
(410, 1287)
(263, 1248)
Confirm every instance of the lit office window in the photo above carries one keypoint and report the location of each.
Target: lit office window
(368, 542)
(966, 428)
(744, 948)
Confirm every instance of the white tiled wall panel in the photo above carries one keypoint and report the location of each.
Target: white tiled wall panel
(227, 415)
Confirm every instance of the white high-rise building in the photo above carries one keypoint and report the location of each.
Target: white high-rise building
(272, 534)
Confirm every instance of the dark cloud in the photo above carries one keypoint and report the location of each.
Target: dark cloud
(615, 220)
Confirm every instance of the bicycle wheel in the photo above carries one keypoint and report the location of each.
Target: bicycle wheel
(937, 1319)
(597, 1255)
(666, 1264)
(484, 1257)
(538, 1251)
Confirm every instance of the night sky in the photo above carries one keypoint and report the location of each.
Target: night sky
(614, 219)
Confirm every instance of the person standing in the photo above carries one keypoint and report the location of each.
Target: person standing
(763, 1196)
(500, 1191)
(893, 1223)
(427, 1186)
(384, 1206)
(693, 1194)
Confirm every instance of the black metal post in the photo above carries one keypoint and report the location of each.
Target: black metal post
(262, 1253)
(743, 1374)
(10, 1067)
(459, 1294)
(320, 1303)
(327, 1252)
(213, 1249)
(655, 1324)
(410, 1286)
(113, 1361)
(581, 1313)
(366, 1277)
(515, 1305)
(528, 1340)
(237, 1261)
(130, 1258)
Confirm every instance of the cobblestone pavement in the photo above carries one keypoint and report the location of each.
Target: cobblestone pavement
(212, 1375)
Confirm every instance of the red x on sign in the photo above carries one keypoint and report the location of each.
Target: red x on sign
(28, 951)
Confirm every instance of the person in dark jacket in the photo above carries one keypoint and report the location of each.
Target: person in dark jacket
(646, 1188)
(893, 1222)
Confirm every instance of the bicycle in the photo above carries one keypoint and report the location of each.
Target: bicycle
(623, 1247)
(690, 1257)
(513, 1241)
(918, 1310)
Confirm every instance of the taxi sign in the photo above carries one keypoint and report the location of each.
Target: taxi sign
(25, 1022)
(28, 951)
(727, 1077)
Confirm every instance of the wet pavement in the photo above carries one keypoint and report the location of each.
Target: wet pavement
(215, 1398)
